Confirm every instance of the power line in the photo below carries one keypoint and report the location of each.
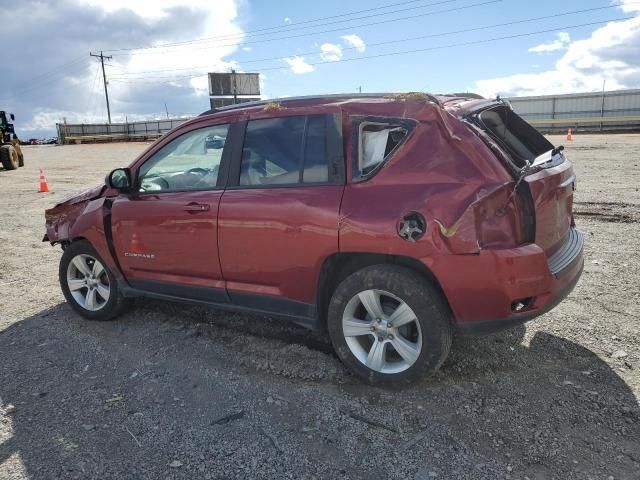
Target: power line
(74, 64)
(480, 4)
(58, 68)
(93, 89)
(293, 26)
(124, 75)
(152, 51)
(417, 50)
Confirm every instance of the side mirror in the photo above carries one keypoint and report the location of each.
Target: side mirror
(13, 117)
(120, 179)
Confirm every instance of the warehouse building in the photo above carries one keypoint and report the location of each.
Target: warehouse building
(617, 110)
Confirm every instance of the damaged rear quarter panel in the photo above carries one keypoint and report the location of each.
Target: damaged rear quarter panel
(450, 176)
(444, 172)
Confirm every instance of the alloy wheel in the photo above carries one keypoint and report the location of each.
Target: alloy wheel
(88, 282)
(382, 331)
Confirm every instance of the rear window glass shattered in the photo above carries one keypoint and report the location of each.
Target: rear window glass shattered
(519, 138)
(377, 141)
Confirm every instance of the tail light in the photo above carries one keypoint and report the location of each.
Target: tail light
(499, 220)
(495, 220)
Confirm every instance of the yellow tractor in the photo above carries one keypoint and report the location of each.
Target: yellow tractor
(11, 155)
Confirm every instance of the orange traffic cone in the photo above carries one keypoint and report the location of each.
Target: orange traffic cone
(44, 187)
(569, 136)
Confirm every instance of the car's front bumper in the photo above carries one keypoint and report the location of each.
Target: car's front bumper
(484, 289)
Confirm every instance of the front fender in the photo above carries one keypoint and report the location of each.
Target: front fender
(86, 220)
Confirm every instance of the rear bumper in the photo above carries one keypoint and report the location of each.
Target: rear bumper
(491, 326)
(483, 289)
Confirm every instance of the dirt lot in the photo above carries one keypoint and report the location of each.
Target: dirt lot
(169, 391)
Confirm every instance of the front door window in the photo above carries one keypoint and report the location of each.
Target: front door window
(190, 162)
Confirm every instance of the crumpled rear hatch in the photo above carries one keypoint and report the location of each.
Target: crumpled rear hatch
(542, 169)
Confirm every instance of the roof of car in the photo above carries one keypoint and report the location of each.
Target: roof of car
(312, 100)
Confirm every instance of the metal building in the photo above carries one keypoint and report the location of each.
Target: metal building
(601, 111)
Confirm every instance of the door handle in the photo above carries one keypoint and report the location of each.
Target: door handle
(196, 207)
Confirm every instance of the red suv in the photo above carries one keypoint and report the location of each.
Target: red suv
(392, 221)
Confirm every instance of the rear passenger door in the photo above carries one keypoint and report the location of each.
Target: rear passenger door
(278, 217)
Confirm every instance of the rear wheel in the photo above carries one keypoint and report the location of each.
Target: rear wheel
(9, 157)
(88, 285)
(389, 325)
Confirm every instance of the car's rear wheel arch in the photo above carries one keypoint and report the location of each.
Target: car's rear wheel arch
(339, 266)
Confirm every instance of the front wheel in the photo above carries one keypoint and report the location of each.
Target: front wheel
(88, 285)
(389, 325)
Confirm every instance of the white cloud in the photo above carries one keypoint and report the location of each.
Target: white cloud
(560, 43)
(246, 49)
(611, 53)
(144, 8)
(629, 5)
(330, 52)
(44, 120)
(355, 41)
(287, 20)
(75, 89)
(220, 23)
(298, 65)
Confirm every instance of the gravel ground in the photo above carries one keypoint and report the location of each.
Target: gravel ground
(172, 391)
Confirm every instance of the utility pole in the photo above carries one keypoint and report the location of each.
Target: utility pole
(604, 82)
(234, 86)
(104, 78)
(166, 109)
(360, 89)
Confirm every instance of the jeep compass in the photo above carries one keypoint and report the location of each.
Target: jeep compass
(391, 221)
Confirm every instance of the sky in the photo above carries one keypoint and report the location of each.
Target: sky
(161, 51)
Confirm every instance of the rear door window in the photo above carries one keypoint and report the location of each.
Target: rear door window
(316, 165)
(288, 151)
(272, 151)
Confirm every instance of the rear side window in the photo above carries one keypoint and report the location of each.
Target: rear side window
(377, 140)
(288, 151)
(521, 140)
(272, 151)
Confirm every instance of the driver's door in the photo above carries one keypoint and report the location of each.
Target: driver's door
(165, 231)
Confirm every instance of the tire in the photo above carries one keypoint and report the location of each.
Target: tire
(85, 290)
(9, 157)
(422, 331)
(21, 160)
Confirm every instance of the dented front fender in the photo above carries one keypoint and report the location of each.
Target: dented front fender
(86, 220)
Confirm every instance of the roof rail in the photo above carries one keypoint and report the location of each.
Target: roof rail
(331, 96)
(464, 95)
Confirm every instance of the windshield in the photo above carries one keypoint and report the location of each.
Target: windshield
(519, 138)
